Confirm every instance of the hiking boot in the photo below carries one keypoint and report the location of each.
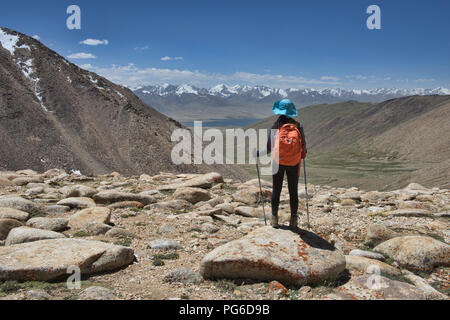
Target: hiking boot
(274, 222)
(293, 222)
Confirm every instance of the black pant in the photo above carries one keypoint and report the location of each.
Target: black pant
(292, 177)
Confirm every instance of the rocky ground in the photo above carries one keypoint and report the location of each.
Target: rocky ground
(182, 236)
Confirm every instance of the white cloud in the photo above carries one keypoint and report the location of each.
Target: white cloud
(132, 76)
(36, 37)
(94, 42)
(167, 58)
(82, 55)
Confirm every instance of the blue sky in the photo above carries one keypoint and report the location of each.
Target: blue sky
(278, 43)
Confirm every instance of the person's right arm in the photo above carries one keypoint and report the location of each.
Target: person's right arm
(304, 149)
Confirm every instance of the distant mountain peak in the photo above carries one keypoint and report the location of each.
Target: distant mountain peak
(186, 102)
(262, 91)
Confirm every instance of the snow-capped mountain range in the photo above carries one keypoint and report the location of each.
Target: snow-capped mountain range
(186, 102)
(261, 92)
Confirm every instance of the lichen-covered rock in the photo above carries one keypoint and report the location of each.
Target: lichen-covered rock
(269, 254)
(416, 252)
(49, 260)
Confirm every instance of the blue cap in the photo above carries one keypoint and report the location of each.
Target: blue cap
(285, 107)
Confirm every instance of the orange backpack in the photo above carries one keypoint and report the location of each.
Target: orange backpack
(289, 145)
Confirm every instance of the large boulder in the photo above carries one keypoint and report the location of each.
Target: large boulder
(19, 203)
(126, 204)
(268, 254)
(77, 202)
(430, 292)
(52, 224)
(377, 233)
(377, 287)
(251, 195)
(367, 254)
(10, 213)
(21, 181)
(55, 209)
(6, 225)
(27, 234)
(204, 181)
(250, 212)
(111, 196)
(77, 191)
(5, 182)
(366, 265)
(192, 195)
(84, 217)
(419, 253)
(49, 260)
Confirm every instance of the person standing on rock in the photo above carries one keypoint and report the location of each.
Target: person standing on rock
(289, 150)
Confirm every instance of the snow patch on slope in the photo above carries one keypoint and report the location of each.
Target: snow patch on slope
(9, 42)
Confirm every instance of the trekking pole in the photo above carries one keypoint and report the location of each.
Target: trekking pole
(260, 191)
(306, 192)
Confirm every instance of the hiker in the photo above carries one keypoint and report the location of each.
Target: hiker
(289, 150)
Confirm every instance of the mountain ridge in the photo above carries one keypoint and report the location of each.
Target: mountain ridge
(384, 145)
(53, 114)
(187, 103)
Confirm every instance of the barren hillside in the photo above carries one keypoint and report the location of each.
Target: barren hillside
(55, 114)
(398, 141)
